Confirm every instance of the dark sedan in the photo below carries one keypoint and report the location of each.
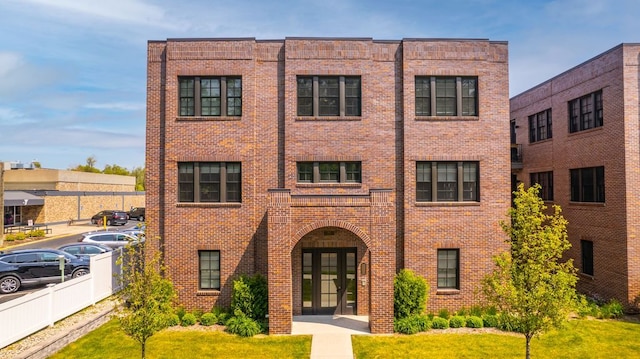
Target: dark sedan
(37, 266)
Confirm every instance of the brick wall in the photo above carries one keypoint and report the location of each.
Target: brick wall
(613, 225)
(267, 231)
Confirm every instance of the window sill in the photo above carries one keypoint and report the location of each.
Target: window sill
(329, 118)
(207, 293)
(587, 204)
(447, 118)
(328, 185)
(550, 139)
(447, 291)
(209, 204)
(588, 130)
(447, 204)
(586, 276)
(207, 118)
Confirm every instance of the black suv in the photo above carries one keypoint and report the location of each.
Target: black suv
(136, 213)
(113, 218)
(37, 266)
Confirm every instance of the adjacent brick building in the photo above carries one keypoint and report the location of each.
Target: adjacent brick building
(327, 165)
(578, 134)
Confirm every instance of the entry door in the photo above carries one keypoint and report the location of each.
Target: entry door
(329, 281)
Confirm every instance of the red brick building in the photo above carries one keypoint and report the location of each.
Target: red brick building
(578, 134)
(327, 165)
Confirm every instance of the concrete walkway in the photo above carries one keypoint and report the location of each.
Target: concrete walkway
(331, 334)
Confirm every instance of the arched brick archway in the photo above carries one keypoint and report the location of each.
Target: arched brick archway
(304, 230)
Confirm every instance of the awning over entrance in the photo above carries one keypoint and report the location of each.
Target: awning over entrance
(20, 198)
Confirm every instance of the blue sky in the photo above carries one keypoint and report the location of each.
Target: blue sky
(73, 72)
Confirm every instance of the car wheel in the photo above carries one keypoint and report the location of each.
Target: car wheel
(141, 219)
(9, 284)
(108, 222)
(80, 272)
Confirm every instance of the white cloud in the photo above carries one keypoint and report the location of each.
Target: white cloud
(18, 76)
(117, 106)
(131, 11)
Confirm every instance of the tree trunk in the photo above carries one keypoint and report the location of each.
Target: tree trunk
(143, 349)
(528, 355)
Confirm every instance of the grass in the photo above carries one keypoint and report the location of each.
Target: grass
(580, 339)
(109, 341)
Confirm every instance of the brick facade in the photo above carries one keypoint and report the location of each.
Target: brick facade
(279, 217)
(612, 226)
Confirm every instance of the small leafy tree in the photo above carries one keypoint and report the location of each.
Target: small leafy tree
(147, 297)
(410, 294)
(531, 286)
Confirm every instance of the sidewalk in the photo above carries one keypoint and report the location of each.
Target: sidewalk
(331, 334)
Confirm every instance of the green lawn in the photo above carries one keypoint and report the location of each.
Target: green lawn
(109, 341)
(581, 339)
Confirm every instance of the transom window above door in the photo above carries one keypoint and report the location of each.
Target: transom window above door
(329, 172)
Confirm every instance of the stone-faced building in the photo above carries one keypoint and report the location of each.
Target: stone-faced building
(579, 134)
(327, 165)
(51, 196)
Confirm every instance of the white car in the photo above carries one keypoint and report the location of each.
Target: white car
(109, 239)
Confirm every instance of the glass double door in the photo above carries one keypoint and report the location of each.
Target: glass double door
(329, 281)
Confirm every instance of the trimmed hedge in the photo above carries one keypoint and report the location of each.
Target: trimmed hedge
(439, 323)
(208, 319)
(410, 294)
(474, 322)
(457, 321)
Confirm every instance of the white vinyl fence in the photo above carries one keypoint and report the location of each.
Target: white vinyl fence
(26, 315)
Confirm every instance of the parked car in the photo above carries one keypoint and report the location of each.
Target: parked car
(136, 213)
(138, 233)
(85, 249)
(37, 266)
(109, 238)
(113, 218)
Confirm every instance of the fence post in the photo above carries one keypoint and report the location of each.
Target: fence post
(50, 311)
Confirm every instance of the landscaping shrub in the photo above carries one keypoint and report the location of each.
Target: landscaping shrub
(208, 319)
(611, 310)
(476, 311)
(405, 326)
(490, 320)
(197, 313)
(412, 324)
(444, 313)
(188, 319)
(506, 323)
(173, 320)
(474, 322)
(457, 321)
(439, 323)
(181, 312)
(242, 325)
(250, 296)
(223, 317)
(410, 294)
(462, 312)
(15, 237)
(587, 307)
(36, 233)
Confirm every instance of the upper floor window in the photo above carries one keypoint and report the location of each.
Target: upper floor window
(329, 172)
(540, 126)
(210, 96)
(446, 96)
(545, 180)
(209, 182)
(329, 96)
(447, 181)
(587, 184)
(586, 112)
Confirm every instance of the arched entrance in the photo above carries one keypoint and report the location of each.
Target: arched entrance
(329, 273)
